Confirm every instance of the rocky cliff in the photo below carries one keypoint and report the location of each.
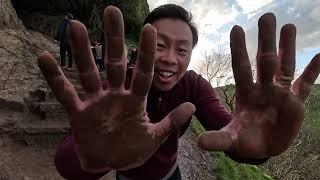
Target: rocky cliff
(8, 16)
(44, 15)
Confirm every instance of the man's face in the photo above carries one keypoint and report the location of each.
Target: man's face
(174, 48)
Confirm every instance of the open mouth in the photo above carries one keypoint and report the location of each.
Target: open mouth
(165, 76)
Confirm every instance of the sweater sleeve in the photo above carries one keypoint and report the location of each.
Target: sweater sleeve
(210, 111)
(68, 164)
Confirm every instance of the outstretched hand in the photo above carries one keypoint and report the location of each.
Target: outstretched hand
(268, 113)
(111, 127)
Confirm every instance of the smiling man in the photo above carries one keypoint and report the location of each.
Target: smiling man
(174, 50)
(133, 124)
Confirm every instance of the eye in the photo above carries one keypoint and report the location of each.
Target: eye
(182, 51)
(160, 45)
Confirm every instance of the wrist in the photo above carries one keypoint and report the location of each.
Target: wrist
(252, 161)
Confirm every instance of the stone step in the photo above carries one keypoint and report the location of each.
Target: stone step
(50, 97)
(51, 109)
(46, 134)
(51, 106)
(73, 75)
(73, 69)
(74, 81)
(43, 127)
(78, 87)
(46, 109)
(48, 106)
(47, 141)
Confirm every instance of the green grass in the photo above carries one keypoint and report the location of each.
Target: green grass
(312, 113)
(227, 169)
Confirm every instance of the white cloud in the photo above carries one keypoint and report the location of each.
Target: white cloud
(204, 45)
(155, 3)
(212, 20)
(249, 6)
(214, 16)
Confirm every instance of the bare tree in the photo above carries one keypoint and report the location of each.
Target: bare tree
(216, 68)
(214, 64)
(226, 91)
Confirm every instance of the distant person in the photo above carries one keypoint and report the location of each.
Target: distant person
(98, 57)
(103, 46)
(93, 49)
(125, 49)
(61, 36)
(133, 56)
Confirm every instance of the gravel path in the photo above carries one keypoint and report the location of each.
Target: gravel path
(22, 162)
(194, 163)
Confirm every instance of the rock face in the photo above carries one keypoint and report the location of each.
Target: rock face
(8, 16)
(21, 82)
(21, 119)
(32, 122)
(24, 94)
(45, 15)
(19, 73)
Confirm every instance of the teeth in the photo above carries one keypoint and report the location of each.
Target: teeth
(166, 73)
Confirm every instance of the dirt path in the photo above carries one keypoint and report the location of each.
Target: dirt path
(22, 162)
(194, 163)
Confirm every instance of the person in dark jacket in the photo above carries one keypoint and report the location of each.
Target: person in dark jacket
(61, 36)
(102, 40)
(133, 56)
(131, 122)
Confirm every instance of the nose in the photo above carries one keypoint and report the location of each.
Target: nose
(168, 56)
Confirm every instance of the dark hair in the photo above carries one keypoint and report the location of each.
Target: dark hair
(175, 12)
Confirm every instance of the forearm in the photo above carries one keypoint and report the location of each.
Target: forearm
(68, 164)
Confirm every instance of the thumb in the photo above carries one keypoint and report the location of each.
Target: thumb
(216, 141)
(174, 120)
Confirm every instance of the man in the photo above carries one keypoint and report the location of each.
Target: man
(98, 57)
(133, 56)
(61, 36)
(134, 126)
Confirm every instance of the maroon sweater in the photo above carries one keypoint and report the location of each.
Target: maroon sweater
(191, 88)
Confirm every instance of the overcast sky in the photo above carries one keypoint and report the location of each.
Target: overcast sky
(215, 18)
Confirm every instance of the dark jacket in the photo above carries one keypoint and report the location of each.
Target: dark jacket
(61, 34)
(133, 57)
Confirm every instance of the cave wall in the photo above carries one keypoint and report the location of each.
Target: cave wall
(8, 16)
(45, 15)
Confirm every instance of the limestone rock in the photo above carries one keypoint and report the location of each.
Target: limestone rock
(19, 73)
(8, 16)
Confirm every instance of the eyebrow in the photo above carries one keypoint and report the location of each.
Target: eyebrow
(180, 41)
